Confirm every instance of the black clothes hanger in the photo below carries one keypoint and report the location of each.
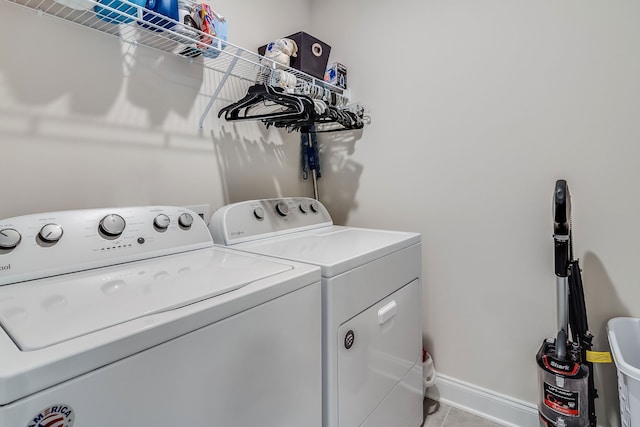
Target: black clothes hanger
(287, 106)
(294, 111)
(305, 118)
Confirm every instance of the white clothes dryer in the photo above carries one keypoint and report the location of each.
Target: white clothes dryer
(372, 333)
(131, 317)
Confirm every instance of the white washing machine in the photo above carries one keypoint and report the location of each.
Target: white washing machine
(372, 333)
(131, 317)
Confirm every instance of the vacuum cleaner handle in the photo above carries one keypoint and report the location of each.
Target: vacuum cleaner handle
(561, 208)
(561, 227)
(561, 238)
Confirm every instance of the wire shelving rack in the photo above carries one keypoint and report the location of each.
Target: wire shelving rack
(137, 25)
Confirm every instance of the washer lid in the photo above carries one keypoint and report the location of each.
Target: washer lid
(336, 249)
(44, 312)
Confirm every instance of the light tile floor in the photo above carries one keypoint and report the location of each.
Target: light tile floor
(440, 415)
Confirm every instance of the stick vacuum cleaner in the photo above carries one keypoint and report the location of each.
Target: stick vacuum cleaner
(565, 379)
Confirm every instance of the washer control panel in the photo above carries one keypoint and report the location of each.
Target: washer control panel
(257, 219)
(53, 243)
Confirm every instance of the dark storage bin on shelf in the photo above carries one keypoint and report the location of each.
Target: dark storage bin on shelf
(312, 57)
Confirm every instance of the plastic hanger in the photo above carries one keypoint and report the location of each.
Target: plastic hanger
(264, 96)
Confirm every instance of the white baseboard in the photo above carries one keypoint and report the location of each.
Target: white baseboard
(499, 408)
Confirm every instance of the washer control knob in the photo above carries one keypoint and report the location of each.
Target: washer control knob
(112, 225)
(9, 238)
(282, 209)
(185, 220)
(303, 208)
(258, 213)
(314, 207)
(162, 221)
(50, 233)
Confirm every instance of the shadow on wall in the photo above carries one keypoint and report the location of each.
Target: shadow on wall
(65, 162)
(161, 84)
(90, 68)
(340, 174)
(26, 128)
(252, 165)
(46, 64)
(603, 303)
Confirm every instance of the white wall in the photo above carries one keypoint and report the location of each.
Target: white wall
(86, 122)
(478, 107)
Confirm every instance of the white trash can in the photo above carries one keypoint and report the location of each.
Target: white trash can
(624, 339)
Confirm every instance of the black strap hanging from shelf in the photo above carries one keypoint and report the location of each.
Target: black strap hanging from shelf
(310, 156)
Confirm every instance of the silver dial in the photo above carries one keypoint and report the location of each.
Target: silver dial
(314, 207)
(162, 221)
(112, 225)
(258, 213)
(9, 238)
(303, 208)
(185, 220)
(50, 233)
(282, 209)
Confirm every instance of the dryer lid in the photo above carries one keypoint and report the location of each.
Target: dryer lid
(44, 312)
(336, 249)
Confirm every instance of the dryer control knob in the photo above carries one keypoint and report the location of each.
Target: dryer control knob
(112, 225)
(282, 209)
(50, 233)
(314, 207)
(9, 238)
(303, 208)
(185, 220)
(258, 213)
(162, 221)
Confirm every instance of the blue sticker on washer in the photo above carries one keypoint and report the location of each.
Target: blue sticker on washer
(54, 416)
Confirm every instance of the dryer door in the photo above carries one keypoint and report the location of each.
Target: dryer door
(376, 349)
